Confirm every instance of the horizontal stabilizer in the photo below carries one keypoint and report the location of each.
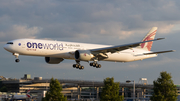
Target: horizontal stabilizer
(159, 52)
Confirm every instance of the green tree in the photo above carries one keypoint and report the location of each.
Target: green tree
(164, 88)
(3, 89)
(54, 92)
(110, 91)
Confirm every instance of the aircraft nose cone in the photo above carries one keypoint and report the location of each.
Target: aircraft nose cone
(6, 47)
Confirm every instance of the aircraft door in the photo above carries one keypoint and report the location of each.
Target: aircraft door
(23, 44)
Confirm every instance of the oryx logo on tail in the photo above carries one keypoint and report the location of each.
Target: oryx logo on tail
(28, 94)
(150, 36)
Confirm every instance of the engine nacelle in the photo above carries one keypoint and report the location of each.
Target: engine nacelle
(83, 55)
(52, 60)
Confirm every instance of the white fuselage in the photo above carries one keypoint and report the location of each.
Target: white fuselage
(65, 50)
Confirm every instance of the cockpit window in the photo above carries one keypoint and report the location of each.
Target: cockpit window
(10, 43)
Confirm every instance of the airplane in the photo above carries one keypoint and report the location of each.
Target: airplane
(56, 51)
(21, 97)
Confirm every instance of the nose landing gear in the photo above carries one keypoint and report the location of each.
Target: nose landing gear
(16, 55)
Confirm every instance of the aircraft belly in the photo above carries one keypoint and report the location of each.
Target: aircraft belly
(120, 57)
(62, 55)
(144, 57)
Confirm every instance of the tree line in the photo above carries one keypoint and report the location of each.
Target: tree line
(164, 90)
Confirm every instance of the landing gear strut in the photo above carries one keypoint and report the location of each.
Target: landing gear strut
(78, 66)
(16, 55)
(95, 64)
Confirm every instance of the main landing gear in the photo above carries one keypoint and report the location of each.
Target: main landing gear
(78, 66)
(95, 64)
(16, 55)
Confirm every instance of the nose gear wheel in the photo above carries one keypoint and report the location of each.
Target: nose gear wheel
(17, 60)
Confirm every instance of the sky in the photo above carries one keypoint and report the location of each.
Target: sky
(109, 22)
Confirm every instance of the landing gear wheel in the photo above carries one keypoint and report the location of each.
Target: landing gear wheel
(17, 60)
(99, 65)
(77, 66)
(95, 64)
(81, 68)
(91, 64)
(74, 65)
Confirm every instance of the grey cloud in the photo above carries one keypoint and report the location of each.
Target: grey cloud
(94, 21)
(66, 17)
(19, 31)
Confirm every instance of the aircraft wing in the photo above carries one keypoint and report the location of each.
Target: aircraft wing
(114, 49)
(159, 52)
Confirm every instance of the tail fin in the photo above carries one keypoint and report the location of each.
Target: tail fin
(150, 36)
(27, 94)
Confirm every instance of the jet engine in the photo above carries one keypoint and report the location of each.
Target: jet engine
(52, 60)
(83, 55)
